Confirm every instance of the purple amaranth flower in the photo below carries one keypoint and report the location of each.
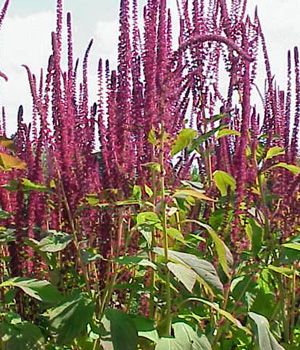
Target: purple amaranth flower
(295, 135)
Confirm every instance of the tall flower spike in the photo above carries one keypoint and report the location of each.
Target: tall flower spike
(3, 11)
(125, 151)
(294, 142)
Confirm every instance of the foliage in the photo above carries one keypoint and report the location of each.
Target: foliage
(182, 231)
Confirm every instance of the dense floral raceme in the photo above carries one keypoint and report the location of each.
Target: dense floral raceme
(77, 166)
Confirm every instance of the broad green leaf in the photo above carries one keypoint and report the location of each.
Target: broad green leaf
(11, 162)
(37, 289)
(183, 140)
(135, 260)
(28, 185)
(147, 217)
(122, 329)
(224, 180)
(55, 242)
(192, 193)
(293, 168)
(223, 252)
(205, 271)
(266, 340)
(282, 270)
(145, 328)
(185, 338)
(227, 132)
(20, 335)
(175, 234)
(274, 151)
(255, 235)
(292, 245)
(70, 318)
(184, 274)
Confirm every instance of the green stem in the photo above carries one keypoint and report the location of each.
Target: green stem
(165, 236)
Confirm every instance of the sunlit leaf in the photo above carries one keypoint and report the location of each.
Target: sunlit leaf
(224, 181)
(55, 242)
(223, 252)
(183, 140)
(266, 340)
(8, 143)
(227, 132)
(10, 162)
(37, 289)
(205, 271)
(184, 274)
(274, 151)
(192, 193)
(185, 337)
(293, 168)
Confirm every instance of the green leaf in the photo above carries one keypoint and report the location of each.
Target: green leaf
(6, 236)
(227, 132)
(37, 289)
(223, 252)
(153, 165)
(152, 137)
(222, 312)
(5, 215)
(198, 186)
(266, 340)
(148, 191)
(215, 118)
(255, 235)
(147, 217)
(184, 274)
(8, 143)
(295, 246)
(10, 162)
(175, 234)
(192, 193)
(205, 271)
(145, 328)
(70, 318)
(20, 335)
(28, 185)
(274, 151)
(183, 140)
(122, 329)
(293, 168)
(202, 138)
(89, 255)
(53, 243)
(135, 260)
(282, 270)
(137, 192)
(224, 180)
(185, 338)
